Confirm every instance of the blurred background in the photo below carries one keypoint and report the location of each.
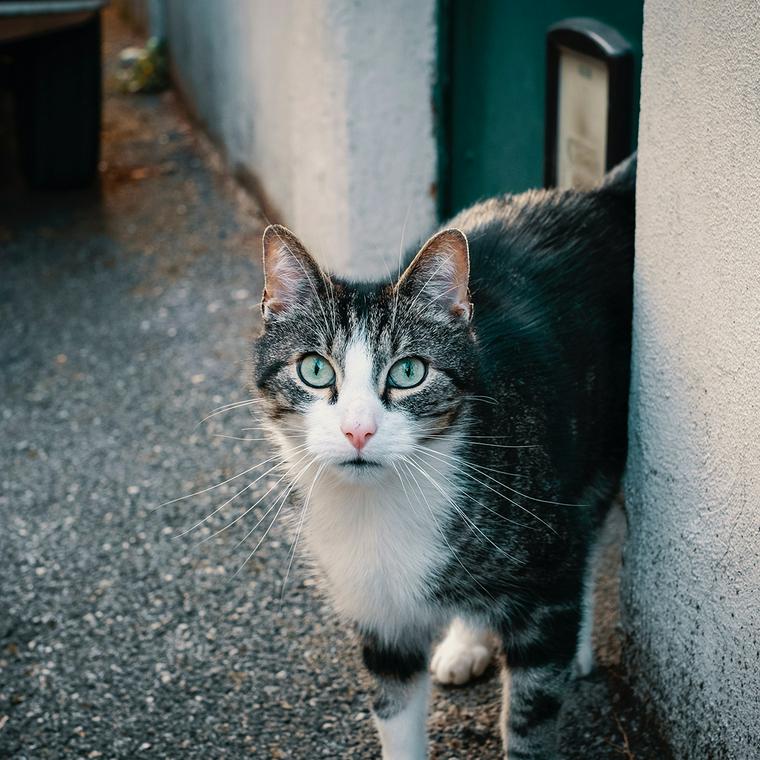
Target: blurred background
(144, 146)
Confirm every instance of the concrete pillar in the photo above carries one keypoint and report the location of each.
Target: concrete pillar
(691, 585)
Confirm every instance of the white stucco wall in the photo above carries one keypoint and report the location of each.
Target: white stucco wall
(328, 103)
(691, 586)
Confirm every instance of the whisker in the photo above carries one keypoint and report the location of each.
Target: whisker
(480, 503)
(468, 521)
(218, 485)
(479, 469)
(486, 399)
(229, 408)
(401, 480)
(254, 505)
(498, 493)
(268, 440)
(472, 435)
(270, 428)
(483, 443)
(443, 536)
(231, 499)
(400, 257)
(298, 531)
(238, 438)
(274, 519)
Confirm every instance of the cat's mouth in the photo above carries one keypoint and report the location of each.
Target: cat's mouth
(359, 463)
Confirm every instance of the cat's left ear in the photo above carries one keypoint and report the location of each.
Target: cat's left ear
(291, 276)
(440, 273)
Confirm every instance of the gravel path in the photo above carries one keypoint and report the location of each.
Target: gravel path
(126, 316)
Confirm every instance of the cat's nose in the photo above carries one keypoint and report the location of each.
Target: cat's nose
(359, 433)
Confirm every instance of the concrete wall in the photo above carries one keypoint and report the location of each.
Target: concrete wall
(328, 104)
(691, 586)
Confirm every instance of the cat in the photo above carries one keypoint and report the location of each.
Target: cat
(454, 437)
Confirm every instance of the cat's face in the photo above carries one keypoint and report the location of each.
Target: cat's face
(355, 377)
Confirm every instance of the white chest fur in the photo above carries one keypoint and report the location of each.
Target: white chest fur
(378, 546)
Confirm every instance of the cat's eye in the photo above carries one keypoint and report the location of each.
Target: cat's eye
(407, 373)
(315, 371)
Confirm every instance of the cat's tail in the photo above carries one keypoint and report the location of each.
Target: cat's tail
(621, 178)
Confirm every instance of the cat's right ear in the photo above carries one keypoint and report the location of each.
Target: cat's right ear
(440, 272)
(291, 276)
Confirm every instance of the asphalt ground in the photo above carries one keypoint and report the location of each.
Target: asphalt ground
(126, 314)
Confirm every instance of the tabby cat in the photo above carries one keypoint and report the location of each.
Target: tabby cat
(454, 438)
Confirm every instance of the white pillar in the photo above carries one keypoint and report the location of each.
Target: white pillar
(691, 586)
(328, 103)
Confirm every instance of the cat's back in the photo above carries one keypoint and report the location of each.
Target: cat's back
(551, 281)
(552, 245)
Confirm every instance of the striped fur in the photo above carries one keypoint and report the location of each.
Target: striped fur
(481, 490)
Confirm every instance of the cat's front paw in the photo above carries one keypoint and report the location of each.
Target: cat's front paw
(464, 654)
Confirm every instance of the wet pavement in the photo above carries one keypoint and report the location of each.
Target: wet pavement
(127, 313)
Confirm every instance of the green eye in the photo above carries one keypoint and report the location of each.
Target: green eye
(407, 373)
(316, 371)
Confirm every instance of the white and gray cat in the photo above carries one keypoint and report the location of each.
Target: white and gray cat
(454, 439)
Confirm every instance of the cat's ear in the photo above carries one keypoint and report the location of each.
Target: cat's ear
(440, 273)
(291, 275)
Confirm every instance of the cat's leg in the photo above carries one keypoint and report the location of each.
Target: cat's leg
(541, 667)
(402, 691)
(465, 653)
(531, 709)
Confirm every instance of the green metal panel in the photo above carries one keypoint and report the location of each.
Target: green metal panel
(492, 90)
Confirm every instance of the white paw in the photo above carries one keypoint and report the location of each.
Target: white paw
(464, 654)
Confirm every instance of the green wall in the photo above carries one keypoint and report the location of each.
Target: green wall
(492, 90)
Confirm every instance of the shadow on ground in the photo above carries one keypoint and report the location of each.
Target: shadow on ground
(127, 313)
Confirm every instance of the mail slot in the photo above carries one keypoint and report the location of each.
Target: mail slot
(589, 101)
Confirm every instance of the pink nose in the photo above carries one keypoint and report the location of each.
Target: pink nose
(359, 433)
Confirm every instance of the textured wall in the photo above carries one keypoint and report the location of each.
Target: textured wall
(328, 104)
(691, 589)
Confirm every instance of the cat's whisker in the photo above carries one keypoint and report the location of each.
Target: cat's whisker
(217, 485)
(434, 431)
(416, 463)
(476, 501)
(238, 438)
(401, 480)
(400, 258)
(269, 428)
(233, 404)
(403, 235)
(298, 530)
(485, 399)
(521, 446)
(484, 443)
(239, 517)
(283, 500)
(229, 408)
(332, 306)
(254, 505)
(443, 535)
(294, 434)
(229, 501)
(479, 469)
(432, 452)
